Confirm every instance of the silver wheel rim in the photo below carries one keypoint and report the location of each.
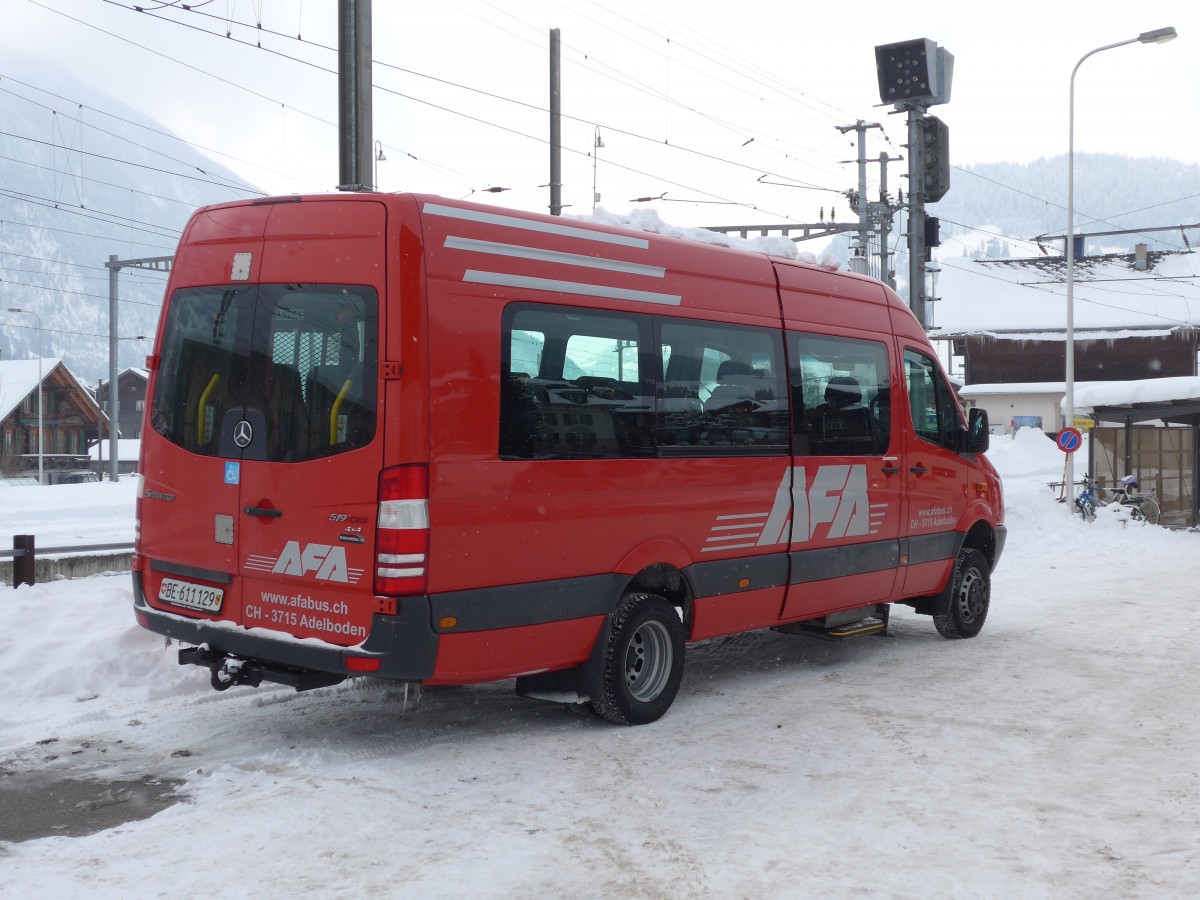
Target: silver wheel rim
(648, 661)
(972, 596)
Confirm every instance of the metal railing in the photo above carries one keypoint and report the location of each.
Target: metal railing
(24, 554)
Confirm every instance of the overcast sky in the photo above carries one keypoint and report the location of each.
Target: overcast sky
(697, 101)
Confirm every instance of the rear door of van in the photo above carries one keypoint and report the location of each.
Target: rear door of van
(265, 419)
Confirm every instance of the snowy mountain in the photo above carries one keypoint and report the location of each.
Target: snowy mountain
(84, 176)
(1024, 200)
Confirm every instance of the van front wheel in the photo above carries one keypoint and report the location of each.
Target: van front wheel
(970, 596)
(643, 662)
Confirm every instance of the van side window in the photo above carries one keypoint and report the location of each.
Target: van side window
(936, 416)
(575, 384)
(721, 390)
(841, 396)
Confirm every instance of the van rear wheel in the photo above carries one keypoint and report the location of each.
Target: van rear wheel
(970, 596)
(643, 662)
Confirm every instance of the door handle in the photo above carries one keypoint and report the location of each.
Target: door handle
(890, 470)
(918, 469)
(263, 512)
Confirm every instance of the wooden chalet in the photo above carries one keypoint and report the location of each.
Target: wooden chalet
(71, 420)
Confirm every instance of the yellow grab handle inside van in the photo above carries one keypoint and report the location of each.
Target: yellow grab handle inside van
(201, 437)
(333, 413)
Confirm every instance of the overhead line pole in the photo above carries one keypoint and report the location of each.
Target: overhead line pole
(354, 96)
(114, 266)
(555, 124)
(916, 214)
(859, 204)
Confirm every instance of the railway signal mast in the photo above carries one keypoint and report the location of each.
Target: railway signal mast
(913, 76)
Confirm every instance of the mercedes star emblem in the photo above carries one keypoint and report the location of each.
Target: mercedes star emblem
(243, 434)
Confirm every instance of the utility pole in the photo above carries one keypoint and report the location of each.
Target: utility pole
(858, 199)
(886, 273)
(873, 218)
(114, 266)
(555, 125)
(354, 96)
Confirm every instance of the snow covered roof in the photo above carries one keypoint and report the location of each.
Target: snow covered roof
(1149, 390)
(19, 379)
(1115, 334)
(1031, 387)
(1020, 298)
(1153, 398)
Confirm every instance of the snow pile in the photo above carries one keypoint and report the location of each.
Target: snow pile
(1028, 452)
(773, 245)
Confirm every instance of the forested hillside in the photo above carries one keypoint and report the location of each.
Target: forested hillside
(83, 177)
(1023, 200)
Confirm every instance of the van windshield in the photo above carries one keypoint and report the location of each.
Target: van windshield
(277, 372)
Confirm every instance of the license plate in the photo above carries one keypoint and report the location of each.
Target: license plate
(193, 596)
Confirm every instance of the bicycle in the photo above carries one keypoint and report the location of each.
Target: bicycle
(1126, 502)
(1088, 500)
(1142, 507)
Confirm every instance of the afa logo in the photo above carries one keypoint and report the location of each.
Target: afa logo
(835, 505)
(329, 563)
(837, 497)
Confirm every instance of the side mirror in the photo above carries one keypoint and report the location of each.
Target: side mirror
(978, 434)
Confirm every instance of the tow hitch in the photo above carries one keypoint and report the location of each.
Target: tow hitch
(228, 670)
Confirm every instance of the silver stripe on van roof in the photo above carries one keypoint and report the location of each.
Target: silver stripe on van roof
(553, 256)
(587, 234)
(570, 287)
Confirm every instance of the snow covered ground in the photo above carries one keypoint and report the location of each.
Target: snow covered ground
(1053, 756)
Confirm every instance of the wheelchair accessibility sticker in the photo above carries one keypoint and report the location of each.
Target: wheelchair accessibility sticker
(232, 472)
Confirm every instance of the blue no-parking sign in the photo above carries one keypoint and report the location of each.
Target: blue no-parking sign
(1069, 440)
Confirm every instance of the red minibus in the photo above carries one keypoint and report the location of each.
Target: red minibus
(441, 442)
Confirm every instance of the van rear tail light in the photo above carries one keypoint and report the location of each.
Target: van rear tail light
(402, 531)
(137, 510)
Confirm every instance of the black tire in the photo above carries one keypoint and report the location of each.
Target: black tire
(643, 662)
(970, 596)
(1148, 510)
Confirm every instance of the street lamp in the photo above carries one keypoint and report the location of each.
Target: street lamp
(1158, 36)
(379, 157)
(17, 309)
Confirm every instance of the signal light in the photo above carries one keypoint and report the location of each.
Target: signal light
(935, 149)
(914, 73)
(363, 663)
(933, 232)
